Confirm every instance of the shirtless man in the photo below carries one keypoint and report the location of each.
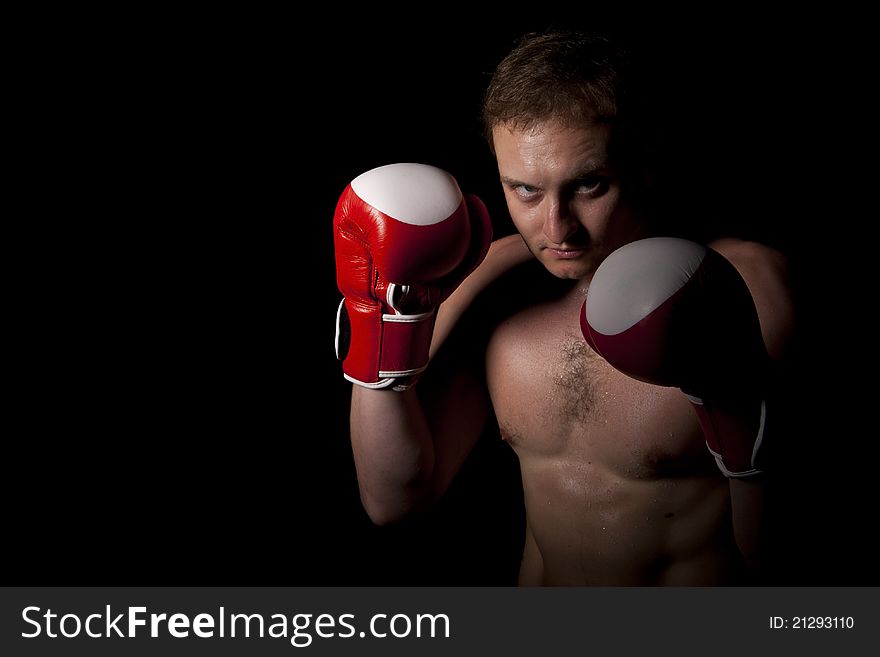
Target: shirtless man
(619, 486)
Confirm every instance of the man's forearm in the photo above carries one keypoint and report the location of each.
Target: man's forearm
(747, 505)
(393, 451)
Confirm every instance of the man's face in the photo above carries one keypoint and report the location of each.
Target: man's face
(564, 196)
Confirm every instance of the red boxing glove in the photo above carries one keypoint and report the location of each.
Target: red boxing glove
(675, 313)
(405, 239)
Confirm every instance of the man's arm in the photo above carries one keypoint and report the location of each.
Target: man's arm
(405, 238)
(407, 448)
(713, 322)
(766, 274)
(409, 445)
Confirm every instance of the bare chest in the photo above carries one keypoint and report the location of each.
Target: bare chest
(556, 399)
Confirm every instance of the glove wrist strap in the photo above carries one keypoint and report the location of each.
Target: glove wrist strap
(381, 350)
(736, 452)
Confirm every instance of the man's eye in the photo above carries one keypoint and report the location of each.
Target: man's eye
(525, 191)
(591, 186)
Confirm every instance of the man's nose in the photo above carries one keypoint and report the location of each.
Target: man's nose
(559, 223)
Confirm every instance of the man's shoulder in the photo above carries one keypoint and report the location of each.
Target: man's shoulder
(766, 273)
(749, 254)
(490, 282)
(765, 269)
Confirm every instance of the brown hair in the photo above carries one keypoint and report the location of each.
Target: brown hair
(572, 78)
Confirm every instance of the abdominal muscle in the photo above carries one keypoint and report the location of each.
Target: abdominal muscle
(590, 526)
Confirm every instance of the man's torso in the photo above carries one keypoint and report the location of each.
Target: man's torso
(618, 484)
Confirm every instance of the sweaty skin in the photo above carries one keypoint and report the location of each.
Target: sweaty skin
(618, 484)
(619, 487)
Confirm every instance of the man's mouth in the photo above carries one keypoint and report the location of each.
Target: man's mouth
(567, 253)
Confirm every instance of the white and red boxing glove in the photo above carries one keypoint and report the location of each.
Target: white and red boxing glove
(405, 238)
(675, 313)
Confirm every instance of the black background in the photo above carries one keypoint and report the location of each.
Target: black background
(179, 417)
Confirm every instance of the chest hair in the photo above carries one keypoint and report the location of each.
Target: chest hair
(577, 379)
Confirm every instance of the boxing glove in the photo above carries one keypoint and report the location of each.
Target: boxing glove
(675, 313)
(405, 238)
